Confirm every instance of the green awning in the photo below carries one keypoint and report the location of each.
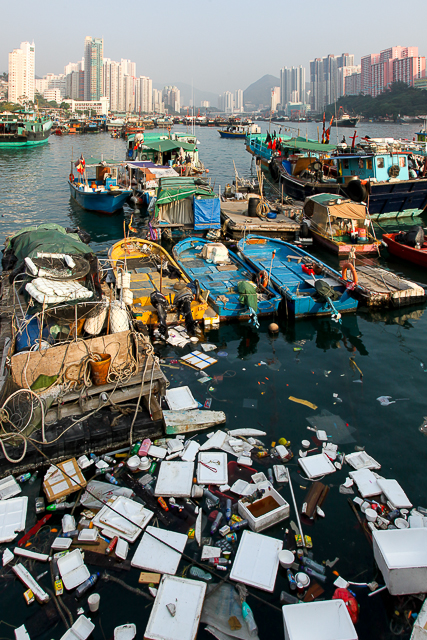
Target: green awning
(309, 146)
(162, 145)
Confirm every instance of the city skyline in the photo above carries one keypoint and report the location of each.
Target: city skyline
(221, 59)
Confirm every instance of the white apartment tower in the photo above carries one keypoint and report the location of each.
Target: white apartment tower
(238, 101)
(144, 95)
(22, 73)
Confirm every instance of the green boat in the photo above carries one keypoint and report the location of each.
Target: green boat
(23, 129)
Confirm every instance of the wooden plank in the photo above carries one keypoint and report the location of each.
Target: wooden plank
(146, 577)
(27, 366)
(153, 406)
(194, 420)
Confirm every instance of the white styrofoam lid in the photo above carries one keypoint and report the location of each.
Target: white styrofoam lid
(152, 555)
(157, 452)
(9, 488)
(88, 535)
(134, 511)
(214, 442)
(72, 569)
(257, 561)
(180, 399)
(175, 479)
(190, 451)
(13, 513)
(21, 633)
(394, 493)
(316, 466)
(61, 543)
(366, 482)
(122, 549)
(188, 597)
(217, 460)
(362, 460)
(125, 632)
(328, 620)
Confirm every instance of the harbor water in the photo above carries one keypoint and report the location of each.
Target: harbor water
(341, 369)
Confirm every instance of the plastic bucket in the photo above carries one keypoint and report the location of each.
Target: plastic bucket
(100, 368)
(361, 233)
(286, 558)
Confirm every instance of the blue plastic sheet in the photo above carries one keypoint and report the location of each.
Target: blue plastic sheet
(207, 214)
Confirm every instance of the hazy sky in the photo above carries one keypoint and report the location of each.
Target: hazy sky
(219, 44)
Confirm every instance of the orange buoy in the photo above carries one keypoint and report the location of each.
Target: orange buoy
(262, 279)
(348, 265)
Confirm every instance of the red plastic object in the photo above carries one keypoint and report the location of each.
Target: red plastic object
(34, 529)
(307, 270)
(350, 602)
(143, 449)
(235, 472)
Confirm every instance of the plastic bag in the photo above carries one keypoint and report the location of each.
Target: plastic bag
(218, 608)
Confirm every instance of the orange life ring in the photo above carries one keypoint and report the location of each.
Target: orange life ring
(262, 279)
(348, 265)
(71, 177)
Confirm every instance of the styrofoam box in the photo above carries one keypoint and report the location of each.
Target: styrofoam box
(270, 518)
(328, 620)
(188, 597)
(72, 569)
(152, 555)
(257, 561)
(401, 555)
(175, 479)
(81, 629)
(216, 461)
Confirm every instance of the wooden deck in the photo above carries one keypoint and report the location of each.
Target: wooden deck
(378, 287)
(237, 223)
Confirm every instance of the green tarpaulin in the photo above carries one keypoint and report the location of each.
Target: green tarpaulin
(248, 295)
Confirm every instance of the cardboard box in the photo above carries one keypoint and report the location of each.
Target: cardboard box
(401, 556)
(57, 484)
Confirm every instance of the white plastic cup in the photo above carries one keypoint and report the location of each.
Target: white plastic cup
(93, 602)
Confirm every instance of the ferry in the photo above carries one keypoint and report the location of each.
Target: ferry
(23, 129)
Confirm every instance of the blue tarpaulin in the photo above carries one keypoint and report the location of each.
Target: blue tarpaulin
(207, 213)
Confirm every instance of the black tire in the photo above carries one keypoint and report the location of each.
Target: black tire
(356, 191)
(393, 171)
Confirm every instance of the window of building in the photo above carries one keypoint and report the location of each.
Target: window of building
(402, 161)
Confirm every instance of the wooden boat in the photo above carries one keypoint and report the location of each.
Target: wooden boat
(340, 225)
(142, 259)
(293, 273)
(234, 132)
(102, 193)
(23, 129)
(377, 287)
(404, 252)
(221, 279)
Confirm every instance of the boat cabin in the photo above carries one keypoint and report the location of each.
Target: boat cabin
(380, 167)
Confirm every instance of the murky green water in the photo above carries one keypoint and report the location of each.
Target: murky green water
(260, 372)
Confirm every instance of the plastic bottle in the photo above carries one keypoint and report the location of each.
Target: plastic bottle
(288, 598)
(291, 578)
(60, 507)
(111, 478)
(153, 467)
(239, 525)
(216, 561)
(135, 447)
(228, 510)
(100, 472)
(248, 617)
(87, 584)
(108, 459)
(216, 522)
(33, 477)
(111, 546)
(315, 574)
(94, 458)
(163, 504)
(24, 477)
(208, 494)
(70, 534)
(313, 565)
(270, 476)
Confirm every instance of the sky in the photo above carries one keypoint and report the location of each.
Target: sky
(219, 45)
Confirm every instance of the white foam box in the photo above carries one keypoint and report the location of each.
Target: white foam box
(257, 561)
(188, 597)
(268, 516)
(401, 556)
(328, 620)
(419, 630)
(72, 569)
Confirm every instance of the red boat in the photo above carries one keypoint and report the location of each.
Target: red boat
(417, 256)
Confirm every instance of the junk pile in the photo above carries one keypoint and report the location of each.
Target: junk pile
(191, 515)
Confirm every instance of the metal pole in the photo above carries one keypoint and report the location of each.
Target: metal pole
(296, 510)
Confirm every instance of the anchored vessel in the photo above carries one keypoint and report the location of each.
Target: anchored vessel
(23, 129)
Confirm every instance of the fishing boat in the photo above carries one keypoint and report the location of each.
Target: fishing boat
(101, 193)
(160, 291)
(345, 119)
(228, 279)
(308, 286)
(397, 244)
(23, 129)
(340, 225)
(236, 131)
(382, 172)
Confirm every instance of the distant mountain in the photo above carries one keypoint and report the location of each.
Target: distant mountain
(187, 91)
(259, 92)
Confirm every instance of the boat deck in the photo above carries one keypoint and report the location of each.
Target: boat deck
(381, 288)
(235, 219)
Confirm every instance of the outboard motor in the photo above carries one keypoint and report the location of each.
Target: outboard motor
(183, 300)
(160, 304)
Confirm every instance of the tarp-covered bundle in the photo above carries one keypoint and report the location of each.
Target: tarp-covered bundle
(207, 213)
(174, 204)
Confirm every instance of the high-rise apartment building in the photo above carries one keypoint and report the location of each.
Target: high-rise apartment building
(275, 98)
(238, 101)
(22, 73)
(93, 59)
(326, 80)
(172, 98)
(158, 104)
(380, 70)
(292, 85)
(144, 95)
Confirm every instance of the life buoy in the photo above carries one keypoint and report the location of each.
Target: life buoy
(262, 279)
(144, 156)
(71, 177)
(393, 171)
(348, 265)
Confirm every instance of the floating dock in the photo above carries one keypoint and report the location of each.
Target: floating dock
(237, 223)
(378, 287)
